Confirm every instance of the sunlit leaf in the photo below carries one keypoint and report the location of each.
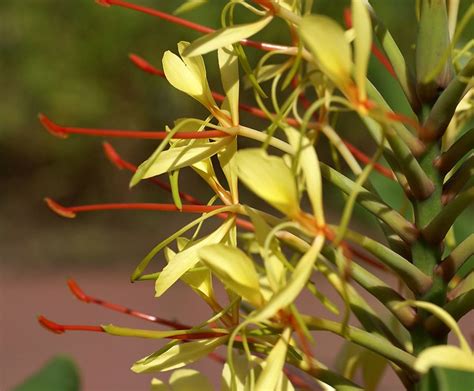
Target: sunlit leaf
(177, 356)
(158, 385)
(198, 277)
(327, 42)
(270, 178)
(229, 68)
(276, 272)
(295, 285)
(362, 43)
(189, 380)
(187, 259)
(235, 269)
(179, 157)
(273, 365)
(225, 36)
(445, 356)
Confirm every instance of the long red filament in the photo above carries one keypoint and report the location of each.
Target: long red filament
(63, 131)
(186, 23)
(70, 211)
(61, 328)
(78, 292)
(115, 158)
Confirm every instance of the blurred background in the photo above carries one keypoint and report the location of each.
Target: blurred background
(68, 59)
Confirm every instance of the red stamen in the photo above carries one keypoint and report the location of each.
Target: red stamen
(406, 120)
(145, 65)
(77, 291)
(186, 23)
(363, 158)
(61, 328)
(71, 211)
(120, 163)
(375, 50)
(63, 131)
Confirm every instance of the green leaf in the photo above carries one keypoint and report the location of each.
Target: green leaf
(188, 75)
(445, 356)
(296, 283)
(158, 385)
(276, 272)
(235, 269)
(177, 356)
(58, 374)
(229, 67)
(198, 278)
(188, 258)
(310, 165)
(179, 157)
(269, 178)
(189, 380)
(273, 365)
(327, 42)
(446, 379)
(225, 37)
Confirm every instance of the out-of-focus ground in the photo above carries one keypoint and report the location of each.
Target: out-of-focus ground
(68, 59)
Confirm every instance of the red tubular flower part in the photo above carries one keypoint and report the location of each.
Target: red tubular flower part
(70, 211)
(64, 131)
(61, 328)
(186, 23)
(79, 293)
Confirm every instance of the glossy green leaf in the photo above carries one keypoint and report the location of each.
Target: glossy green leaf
(235, 269)
(177, 356)
(187, 259)
(327, 42)
(189, 380)
(225, 37)
(60, 373)
(269, 178)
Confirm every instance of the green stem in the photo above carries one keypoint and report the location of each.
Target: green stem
(450, 265)
(454, 154)
(437, 229)
(380, 290)
(415, 279)
(458, 180)
(457, 308)
(444, 108)
(363, 338)
(372, 203)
